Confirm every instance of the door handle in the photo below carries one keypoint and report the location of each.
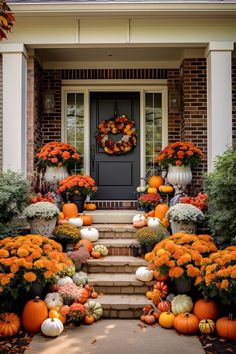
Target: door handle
(92, 157)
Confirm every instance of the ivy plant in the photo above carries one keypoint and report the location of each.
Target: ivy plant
(14, 195)
(220, 185)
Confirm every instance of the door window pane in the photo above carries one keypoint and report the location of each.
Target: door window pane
(153, 125)
(75, 124)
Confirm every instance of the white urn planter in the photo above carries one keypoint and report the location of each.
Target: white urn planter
(179, 176)
(41, 226)
(188, 228)
(55, 173)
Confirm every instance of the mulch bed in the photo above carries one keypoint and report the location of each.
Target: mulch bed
(215, 345)
(16, 344)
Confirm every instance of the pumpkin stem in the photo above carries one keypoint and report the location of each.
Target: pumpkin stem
(36, 299)
(231, 317)
(186, 314)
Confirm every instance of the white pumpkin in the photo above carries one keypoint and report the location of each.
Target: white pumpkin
(52, 327)
(53, 299)
(78, 222)
(141, 189)
(144, 274)
(89, 233)
(181, 303)
(64, 281)
(154, 222)
(80, 278)
(138, 217)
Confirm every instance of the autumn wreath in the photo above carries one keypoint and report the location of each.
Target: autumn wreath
(118, 125)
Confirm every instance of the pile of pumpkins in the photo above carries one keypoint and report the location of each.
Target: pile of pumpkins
(96, 251)
(50, 315)
(70, 214)
(155, 184)
(180, 313)
(153, 218)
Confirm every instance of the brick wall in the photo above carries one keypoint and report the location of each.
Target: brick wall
(194, 111)
(1, 112)
(234, 99)
(174, 116)
(34, 111)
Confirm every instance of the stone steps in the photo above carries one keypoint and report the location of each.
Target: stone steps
(114, 264)
(113, 216)
(123, 306)
(115, 231)
(119, 284)
(118, 247)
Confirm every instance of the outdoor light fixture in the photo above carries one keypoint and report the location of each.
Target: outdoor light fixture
(49, 101)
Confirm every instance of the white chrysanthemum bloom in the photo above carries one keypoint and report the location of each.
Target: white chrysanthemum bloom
(44, 210)
(185, 213)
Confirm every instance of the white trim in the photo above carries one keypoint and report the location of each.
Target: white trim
(85, 87)
(14, 48)
(219, 47)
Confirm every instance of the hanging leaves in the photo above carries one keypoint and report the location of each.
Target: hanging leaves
(6, 19)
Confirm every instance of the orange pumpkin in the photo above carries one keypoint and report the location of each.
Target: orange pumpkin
(91, 206)
(165, 222)
(186, 323)
(161, 210)
(151, 214)
(226, 327)
(83, 296)
(87, 220)
(156, 296)
(140, 223)
(94, 295)
(53, 313)
(34, 313)
(160, 277)
(155, 181)
(88, 319)
(65, 310)
(89, 289)
(9, 324)
(164, 306)
(95, 254)
(204, 308)
(86, 243)
(166, 189)
(61, 216)
(70, 210)
(148, 256)
(151, 190)
(162, 287)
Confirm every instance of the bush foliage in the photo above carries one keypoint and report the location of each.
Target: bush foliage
(14, 194)
(220, 185)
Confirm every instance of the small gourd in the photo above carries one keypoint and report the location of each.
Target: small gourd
(144, 274)
(93, 308)
(89, 233)
(9, 324)
(138, 217)
(152, 190)
(80, 278)
(78, 222)
(141, 189)
(102, 249)
(207, 326)
(166, 189)
(53, 299)
(52, 327)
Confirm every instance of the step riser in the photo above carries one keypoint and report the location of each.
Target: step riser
(120, 251)
(122, 289)
(116, 235)
(130, 313)
(111, 269)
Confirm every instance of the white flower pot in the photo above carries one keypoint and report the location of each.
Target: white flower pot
(179, 176)
(189, 228)
(55, 173)
(41, 226)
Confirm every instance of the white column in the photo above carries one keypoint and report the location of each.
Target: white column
(14, 65)
(219, 99)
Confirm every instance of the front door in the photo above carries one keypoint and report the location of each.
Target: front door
(116, 176)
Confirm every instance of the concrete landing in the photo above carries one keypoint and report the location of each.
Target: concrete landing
(115, 337)
(113, 216)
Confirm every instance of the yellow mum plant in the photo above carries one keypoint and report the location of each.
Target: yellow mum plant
(25, 260)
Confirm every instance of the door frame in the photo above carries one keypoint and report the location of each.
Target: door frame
(141, 86)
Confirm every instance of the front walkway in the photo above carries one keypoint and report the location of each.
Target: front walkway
(116, 336)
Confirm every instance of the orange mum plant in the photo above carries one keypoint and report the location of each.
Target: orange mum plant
(218, 275)
(25, 260)
(183, 153)
(77, 184)
(57, 154)
(180, 255)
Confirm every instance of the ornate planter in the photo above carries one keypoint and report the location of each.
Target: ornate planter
(41, 226)
(179, 176)
(189, 228)
(55, 173)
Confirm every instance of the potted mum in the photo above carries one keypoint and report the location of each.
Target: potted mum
(66, 233)
(76, 188)
(42, 217)
(184, 217)
(57, 157)
(149, 201)
(179, 157)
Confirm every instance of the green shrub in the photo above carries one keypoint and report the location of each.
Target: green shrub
(14, 194)
(220, 185)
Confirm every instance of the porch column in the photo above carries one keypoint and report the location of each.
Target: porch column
(219, 99)
(14, 66)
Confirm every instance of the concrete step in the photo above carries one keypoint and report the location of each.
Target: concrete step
(118, 247)
(113, 216)
(113, 231)
(123, 306)
(114, 264)
(119, 284)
